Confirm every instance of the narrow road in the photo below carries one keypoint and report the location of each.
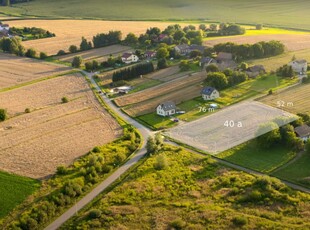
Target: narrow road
(145, 132)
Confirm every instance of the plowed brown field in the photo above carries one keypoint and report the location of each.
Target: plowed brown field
(34, 144)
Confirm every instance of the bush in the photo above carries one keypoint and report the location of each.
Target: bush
(96, 149)
(27, 110)
(61, 52)
(31, 53)
(3, 115)
(270, 92)
(77, 61)
(73, 49)
(43, 55)
(61, 170)
(178, 224)
(240, 221)
(94, 213)
(162, 63)
(64, 100)
(161, 162)
(259, 26)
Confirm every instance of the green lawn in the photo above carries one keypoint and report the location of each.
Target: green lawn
(144, 85)
(14, 190)
(297, 172)
(249, 155)
(293, 14)
(156, 121)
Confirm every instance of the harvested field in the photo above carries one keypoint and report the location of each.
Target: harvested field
(163, 89)
(175, 76)
(293, 42)
(177, 96)
(69, 32)
(213, 136)
(34, 144)
(100, 54)
(294, 99)
(18, 70)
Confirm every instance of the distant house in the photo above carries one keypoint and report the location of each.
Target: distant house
(255, 70)
(299, 66)
(303, 132)
(205, 61)
(224, 57)
(183, 49)
(225, 60)
(166, 109)
(150, 54)
(129, 58)
(209, 93)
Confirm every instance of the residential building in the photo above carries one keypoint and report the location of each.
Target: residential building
(303, 132)
(166, 109)
(255, 70)
(299, 66)
(129, 58)
(209, 93)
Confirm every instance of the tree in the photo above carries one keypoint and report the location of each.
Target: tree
(258, 51)
(131, 39)
(307, 146)
(213, 27)
(73, 49)
(202, 27)
(3, 115)
(178, 35)
(259, 26)
(85, 45)
(212, 68)
(89, 66)
(217, 80)
(268, 134)
(162, 63)
(31, 53)
(162, 53)
(77, 61)
(61, 52)
(151, 145)
(195, 53)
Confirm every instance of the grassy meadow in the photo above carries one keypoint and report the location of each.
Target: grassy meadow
(274, 12)
(14, 190)
(175, 189)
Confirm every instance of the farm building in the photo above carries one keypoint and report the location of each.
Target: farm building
(4, 27)
(166, 109)
(150, 54)
(224, 57)
(303, 132)
(255, 70)
(209, 93)
(299, 66)
(129, 58)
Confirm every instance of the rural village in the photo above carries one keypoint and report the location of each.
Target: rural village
(103, 122)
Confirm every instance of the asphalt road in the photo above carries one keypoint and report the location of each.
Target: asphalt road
(145, 132)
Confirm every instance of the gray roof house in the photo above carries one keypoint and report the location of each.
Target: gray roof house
(166, 108)
(209, 93)
(255, 70)
(303, 132)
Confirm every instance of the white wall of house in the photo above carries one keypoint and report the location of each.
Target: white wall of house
(215, 94)
(299, 67)
(161, 112)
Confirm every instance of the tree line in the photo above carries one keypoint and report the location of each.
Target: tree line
(227, 30)
(248, 51)
(133, 72)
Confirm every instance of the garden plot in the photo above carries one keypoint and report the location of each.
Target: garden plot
(227, 128)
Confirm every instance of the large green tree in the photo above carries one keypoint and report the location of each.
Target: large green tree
(217, 80)
(268, 134)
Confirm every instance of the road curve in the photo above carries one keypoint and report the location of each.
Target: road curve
(145, 132)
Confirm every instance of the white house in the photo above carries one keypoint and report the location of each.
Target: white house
(209, 93)
(303, 132)
(4, 27)
(299, 66)
(166, 109)
(129, 58)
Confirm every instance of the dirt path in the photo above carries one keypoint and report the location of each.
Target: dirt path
(297, 157)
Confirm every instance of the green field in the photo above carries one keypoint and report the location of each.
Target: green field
(14, 190)
(175, 189)
(249, 155)
(297, 172)
(293, 14)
